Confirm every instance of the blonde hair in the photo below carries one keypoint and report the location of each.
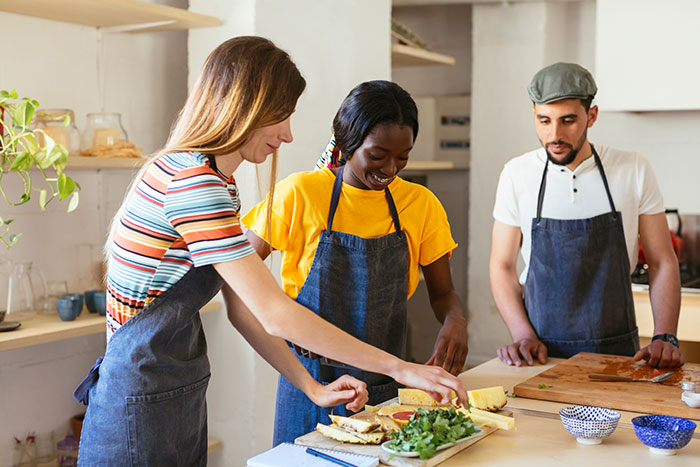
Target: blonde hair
(246, 83)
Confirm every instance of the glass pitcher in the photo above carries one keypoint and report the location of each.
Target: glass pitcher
(26, 292)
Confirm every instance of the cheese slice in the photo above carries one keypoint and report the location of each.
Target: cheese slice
(488, 398)
(490, 419)
(418, 397)
(353, 424)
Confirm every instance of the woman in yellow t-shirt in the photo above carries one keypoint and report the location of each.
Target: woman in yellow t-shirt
(354, 237)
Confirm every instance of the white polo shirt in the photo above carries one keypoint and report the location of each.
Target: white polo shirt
(577, 194)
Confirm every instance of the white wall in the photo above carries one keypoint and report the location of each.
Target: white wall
(56, 63)
(324, 40)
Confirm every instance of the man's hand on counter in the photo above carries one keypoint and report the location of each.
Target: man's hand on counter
(526, 348)
(661, 354)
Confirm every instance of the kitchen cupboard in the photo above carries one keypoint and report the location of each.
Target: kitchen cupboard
(642, 62)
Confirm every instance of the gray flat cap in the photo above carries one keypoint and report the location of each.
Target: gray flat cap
(561, 81)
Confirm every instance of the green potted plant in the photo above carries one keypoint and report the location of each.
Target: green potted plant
(21, 152)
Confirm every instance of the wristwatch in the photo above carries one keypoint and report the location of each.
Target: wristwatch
(668, 337)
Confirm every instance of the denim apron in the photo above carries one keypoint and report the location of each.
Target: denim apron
(146, 397)
(578, 292)
(361, 286)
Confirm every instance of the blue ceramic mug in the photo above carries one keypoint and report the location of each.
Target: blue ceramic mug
(77, 300)
(100, 302)
(67, 308)
(90, 299)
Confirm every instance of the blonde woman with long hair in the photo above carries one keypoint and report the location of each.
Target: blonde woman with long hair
(175, 242)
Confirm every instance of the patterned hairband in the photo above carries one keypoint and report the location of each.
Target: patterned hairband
(330, 157)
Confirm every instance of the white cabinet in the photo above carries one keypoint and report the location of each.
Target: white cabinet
(648, 55)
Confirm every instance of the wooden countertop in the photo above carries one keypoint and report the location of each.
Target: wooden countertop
(540, 438)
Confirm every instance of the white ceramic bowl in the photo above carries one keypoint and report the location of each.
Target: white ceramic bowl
(691, 398)
(590, 425)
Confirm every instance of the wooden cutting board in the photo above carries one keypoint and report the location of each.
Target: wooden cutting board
(568, 382)
(317, 440)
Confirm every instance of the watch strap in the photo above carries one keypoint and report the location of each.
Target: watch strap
(667, 337)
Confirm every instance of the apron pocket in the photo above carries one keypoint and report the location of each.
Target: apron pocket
(169, 428)
(623, 344)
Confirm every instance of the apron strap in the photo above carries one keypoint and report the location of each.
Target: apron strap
(82, 392)
(394, 212)
(335, 197)
(540, 195)
(543, 184)
(605, 180)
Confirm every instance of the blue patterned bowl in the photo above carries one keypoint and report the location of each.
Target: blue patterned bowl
(662, 433)
(589, 424)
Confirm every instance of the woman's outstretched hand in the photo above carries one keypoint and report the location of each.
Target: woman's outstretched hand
(345, 390)
(434, 380)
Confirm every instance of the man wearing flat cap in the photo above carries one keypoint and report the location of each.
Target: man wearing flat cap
(575, 211)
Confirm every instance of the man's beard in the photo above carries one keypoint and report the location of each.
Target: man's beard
(569, 158)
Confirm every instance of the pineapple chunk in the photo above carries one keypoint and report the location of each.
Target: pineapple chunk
(396, 407)
(490, 419)
(353, 424)
(388, 424)
(338, 434)
(371, 408)
(488, 398)
(418, 397)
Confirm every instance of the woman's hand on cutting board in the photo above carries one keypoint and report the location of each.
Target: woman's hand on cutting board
(345, 390)
(526, 348)
(661, 354)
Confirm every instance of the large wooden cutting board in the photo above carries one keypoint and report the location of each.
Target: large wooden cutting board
(569, 383)
(317, 440)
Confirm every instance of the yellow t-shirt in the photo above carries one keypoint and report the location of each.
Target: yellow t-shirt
(300, 214)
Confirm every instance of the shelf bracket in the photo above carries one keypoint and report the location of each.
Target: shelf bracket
(135, 27)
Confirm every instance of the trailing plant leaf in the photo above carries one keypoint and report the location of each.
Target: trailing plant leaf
(20, 152)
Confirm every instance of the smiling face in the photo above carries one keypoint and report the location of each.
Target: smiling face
(382, 155)
(562, 128)
(264, 141)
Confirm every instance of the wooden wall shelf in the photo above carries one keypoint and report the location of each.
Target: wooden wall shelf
(81, 162)
(429, 165)
(49, 328)
(404, 55)
(111, 13)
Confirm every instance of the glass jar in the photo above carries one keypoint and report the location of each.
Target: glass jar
(49, 122)
(103, 129)
(67, 452)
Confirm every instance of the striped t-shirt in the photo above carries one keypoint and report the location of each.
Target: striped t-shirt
(183, 214)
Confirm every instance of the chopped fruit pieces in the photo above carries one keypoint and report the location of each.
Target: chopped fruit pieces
(403, 417)
(490, 419)
(353, 424)
(339, 434)
(488, 398)
(418, 397)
